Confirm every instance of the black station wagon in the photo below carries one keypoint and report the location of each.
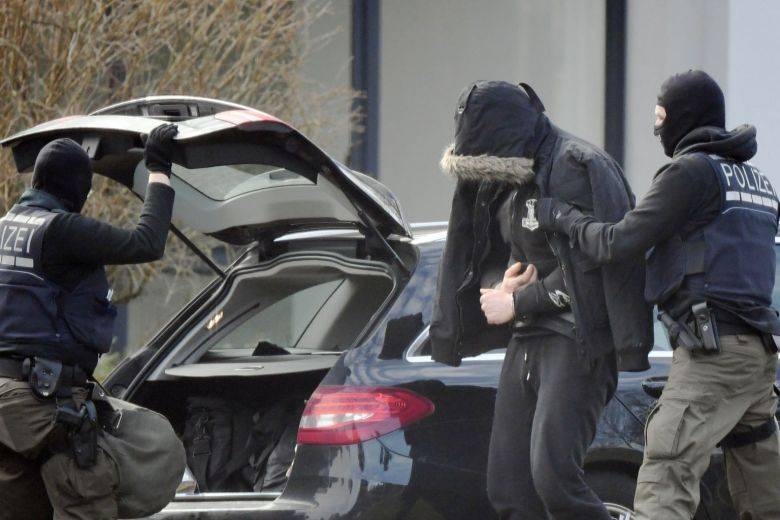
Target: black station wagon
(301, 379)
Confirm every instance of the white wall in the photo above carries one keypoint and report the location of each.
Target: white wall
(665, 37)
(430, 50)
(754, 77)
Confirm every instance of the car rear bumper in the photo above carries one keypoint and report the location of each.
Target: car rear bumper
(364, 480)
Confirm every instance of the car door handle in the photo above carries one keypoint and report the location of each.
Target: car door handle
(653, 386)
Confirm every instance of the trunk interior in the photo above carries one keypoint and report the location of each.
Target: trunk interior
(235, 384)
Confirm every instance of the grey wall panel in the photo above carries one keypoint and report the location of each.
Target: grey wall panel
(430, 50)
(754, 77)
(665, 37)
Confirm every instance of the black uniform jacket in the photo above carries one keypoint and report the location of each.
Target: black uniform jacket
(74, 245)
(684, 196)
(607, 302)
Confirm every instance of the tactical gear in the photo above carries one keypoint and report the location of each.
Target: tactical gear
(706, 399)
(235, 447)
(706, 328)
(751, 435)
(720, 263)
(691, 100)
(149, 456)
(38, 467)
(159, 148)
(63, 169)
(680, 335)
(81, 424)
(39, 317)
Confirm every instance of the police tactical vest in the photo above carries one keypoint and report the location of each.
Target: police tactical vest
(730, 261)
(35, 311)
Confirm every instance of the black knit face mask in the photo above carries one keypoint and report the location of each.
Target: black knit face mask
(692, 100)
(63, 169)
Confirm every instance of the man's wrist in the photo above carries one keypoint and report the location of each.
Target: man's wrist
(159, 177)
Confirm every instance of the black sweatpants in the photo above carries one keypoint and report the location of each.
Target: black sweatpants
(548, 404)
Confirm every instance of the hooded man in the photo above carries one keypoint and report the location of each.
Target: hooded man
(56, 319)
(709, 220)
(502, 278)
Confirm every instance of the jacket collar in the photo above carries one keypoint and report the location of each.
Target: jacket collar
(41, 199)
(512, 170)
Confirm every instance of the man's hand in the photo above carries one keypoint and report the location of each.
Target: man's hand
(514, 280)
(159, 148)
(549, 213)
(497, 305)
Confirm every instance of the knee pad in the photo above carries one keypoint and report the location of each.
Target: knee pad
(739, 439)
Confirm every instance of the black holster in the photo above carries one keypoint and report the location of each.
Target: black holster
(51, 378)
(82, 428)
(699, 333)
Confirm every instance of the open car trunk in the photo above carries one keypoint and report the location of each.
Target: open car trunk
(235, 385)
(233, 376)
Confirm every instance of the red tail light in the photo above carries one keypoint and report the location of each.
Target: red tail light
(350, 414)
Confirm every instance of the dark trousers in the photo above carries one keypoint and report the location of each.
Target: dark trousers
(548, 403)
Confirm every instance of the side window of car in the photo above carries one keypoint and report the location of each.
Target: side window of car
(420, 351)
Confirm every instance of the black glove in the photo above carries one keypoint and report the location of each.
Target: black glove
(549, 213)
(159, 147)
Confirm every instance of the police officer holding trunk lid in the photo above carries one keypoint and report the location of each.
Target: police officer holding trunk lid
(64, 446)
(709, 221)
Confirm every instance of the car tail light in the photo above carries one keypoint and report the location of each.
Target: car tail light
(339, 415)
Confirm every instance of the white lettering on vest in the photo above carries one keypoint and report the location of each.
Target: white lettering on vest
(727, 171)
(9, 239)
(21, 236)
(745, 174)
(758, 179)
(740, 176)
(29, 240)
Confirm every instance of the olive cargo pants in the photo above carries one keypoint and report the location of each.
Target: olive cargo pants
(706, 397)
(32, 481)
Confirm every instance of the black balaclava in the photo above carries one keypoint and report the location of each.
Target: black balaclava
(692, 99)
(63, 169)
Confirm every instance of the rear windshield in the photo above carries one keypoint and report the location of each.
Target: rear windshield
(228, 181)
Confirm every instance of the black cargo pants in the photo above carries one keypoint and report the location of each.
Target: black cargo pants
(548, 404)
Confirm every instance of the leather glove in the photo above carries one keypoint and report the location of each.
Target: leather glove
(551, 212)
(159, 148)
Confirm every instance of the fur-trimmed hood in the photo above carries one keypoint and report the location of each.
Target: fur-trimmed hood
(512, 170)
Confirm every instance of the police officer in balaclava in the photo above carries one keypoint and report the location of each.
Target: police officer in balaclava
(56, 319)
(710, 219)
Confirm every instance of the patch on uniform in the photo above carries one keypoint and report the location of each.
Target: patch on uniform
(530, 223)
(559, 298)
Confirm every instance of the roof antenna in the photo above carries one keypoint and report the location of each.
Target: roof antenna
(535, 101)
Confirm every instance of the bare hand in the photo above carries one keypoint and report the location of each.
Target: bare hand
(514, 281)
(497, 305)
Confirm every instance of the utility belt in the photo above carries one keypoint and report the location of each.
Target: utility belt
(51, 379)
(701, 331)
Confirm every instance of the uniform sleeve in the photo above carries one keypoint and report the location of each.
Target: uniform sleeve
(666, 208)
(76, 239)
(544, 296)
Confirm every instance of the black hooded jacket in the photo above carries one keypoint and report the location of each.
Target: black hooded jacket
(684, 196)
(502, 135)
